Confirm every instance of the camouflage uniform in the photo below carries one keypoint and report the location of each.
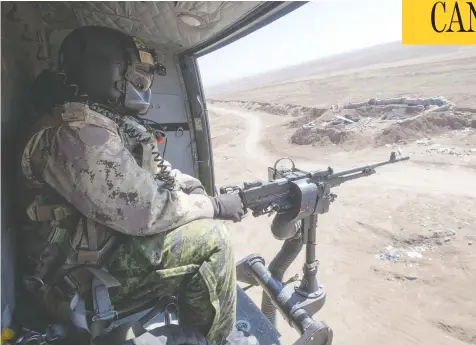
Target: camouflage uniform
(173, 245)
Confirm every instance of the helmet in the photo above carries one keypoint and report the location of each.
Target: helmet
(110, 68)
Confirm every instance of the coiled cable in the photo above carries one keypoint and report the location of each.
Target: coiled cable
(164, 170)
(164, 173)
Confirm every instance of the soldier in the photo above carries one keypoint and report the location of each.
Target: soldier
(103, 197)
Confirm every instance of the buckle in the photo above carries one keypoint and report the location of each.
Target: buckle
(104, 311)
(106, 316)
(94, 256)
(71, 283)
(61, 212)
(88, 256)
(39, 212)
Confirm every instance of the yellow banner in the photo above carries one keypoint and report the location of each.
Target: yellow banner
(438, 22)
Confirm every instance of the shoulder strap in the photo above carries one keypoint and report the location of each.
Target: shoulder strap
(39, 211)
(69, 113)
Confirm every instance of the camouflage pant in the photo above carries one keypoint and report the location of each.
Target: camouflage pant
(194, 262)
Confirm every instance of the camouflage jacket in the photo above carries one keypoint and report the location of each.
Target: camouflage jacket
(84, 157)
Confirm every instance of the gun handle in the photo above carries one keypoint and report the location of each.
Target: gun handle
(283, 226)
(229, 189)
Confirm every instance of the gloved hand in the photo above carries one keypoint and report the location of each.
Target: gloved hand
(228, 207)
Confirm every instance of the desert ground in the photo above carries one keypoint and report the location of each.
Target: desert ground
(397, 250)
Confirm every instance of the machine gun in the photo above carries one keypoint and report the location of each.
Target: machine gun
(296, 197)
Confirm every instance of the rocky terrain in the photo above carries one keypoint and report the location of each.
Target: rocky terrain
(365, 124)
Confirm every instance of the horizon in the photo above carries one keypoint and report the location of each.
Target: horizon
(285, 42)
(304, 62)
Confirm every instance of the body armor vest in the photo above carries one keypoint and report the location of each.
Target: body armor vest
(65, 249)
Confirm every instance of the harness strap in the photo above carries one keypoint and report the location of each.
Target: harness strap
(104, 311)
(78, 313)
(97, 256)
(128, 331)
(39, 212)
(92, 234)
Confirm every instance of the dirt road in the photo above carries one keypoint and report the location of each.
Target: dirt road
(397, 250)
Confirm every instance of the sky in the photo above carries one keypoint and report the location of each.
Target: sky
(317, 29)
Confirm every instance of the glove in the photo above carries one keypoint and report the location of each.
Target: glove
(228, 207)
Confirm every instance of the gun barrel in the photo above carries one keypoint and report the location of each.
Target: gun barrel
(369, 166)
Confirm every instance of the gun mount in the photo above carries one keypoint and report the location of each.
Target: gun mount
(297, 198)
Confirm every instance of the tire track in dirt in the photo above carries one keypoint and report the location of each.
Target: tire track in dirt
(254, 134)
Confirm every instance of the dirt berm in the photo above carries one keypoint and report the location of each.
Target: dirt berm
(273, 108)
(369, 125)
(373, 132)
